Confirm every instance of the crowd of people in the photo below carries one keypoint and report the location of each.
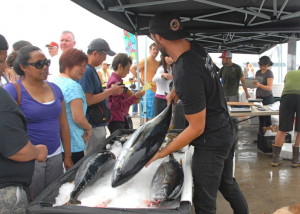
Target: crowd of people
(46, 109)
(43, 113)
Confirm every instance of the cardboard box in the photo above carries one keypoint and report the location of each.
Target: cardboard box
(264, 143)
(273, 128)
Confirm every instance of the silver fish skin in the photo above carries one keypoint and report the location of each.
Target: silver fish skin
(141, 147)
(167, 181)
(91, 169)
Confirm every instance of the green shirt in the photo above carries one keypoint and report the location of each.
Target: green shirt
(230, 77)
(291, 83)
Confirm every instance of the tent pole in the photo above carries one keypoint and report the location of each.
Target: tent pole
(138, 74)
(145, 81)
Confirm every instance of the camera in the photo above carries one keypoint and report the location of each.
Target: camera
(132, 86)
(125, 88)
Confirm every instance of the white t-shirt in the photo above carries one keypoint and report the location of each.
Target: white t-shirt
(162, 85)
(3, 80)
(54, 68)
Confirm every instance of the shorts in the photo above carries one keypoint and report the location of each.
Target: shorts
(149, 99)
(289, 105)
(13, 200)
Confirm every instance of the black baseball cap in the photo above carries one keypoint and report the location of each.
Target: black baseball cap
(167, 26)
(101, 45)
(3, 43)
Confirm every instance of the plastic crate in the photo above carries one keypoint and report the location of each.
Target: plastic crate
(264, 143)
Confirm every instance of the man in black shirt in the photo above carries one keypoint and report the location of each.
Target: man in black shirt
(210, 128)
(17, 154)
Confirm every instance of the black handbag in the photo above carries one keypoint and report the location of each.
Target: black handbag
(98, 113)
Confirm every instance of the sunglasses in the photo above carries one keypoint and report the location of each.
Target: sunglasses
(41, 63)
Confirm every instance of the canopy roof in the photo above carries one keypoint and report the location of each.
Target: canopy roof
(241, 26)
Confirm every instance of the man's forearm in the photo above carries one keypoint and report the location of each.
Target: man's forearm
(96, 98)
(27, 153)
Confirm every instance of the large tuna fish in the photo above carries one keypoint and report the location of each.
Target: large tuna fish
(91, 169)
(141, 147)
(167, 181)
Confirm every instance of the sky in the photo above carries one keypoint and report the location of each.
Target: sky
(42, 21)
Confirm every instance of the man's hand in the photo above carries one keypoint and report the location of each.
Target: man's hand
(154, 158)
(42, 153)
(116, 89)
(172, 96)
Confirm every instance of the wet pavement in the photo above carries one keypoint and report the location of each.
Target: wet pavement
(266, 188)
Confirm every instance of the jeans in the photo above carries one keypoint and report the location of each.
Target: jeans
(213, 171)
(234, 119)
(135, 105)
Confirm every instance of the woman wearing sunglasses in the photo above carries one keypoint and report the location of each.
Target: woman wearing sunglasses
(43, 105)
(72, 67)
(264, 88)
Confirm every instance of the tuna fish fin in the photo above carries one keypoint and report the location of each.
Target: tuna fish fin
(73, 202)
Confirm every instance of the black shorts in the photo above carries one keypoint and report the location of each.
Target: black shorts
(289, 106)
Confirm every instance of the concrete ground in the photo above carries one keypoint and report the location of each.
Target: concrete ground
(266, 188)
